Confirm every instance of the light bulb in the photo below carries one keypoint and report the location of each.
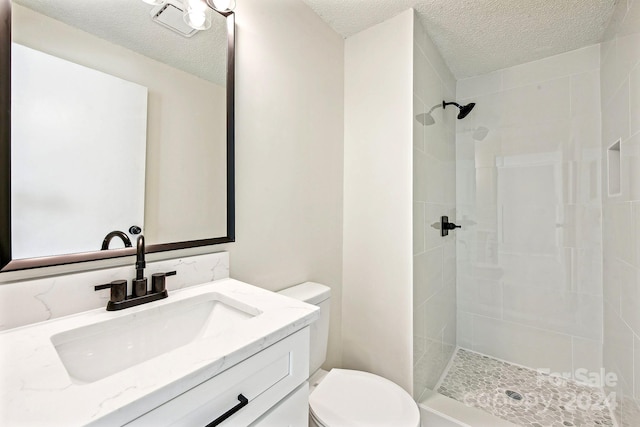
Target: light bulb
(197, 14)
(196, 19)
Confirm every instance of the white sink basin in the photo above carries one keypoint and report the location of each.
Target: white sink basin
(106, 368)
(96, 351)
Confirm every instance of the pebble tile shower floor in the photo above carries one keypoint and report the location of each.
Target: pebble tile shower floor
(482, 382)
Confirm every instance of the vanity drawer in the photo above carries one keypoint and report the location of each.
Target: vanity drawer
(263, 379)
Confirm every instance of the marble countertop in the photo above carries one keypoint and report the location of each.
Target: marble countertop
(36, 389)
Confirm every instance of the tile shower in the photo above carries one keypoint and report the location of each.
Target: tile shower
(547, 260)
(529, 269)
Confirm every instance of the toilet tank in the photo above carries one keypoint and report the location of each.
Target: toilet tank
(318, 295)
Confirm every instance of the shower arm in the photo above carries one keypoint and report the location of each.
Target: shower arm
(445, 103)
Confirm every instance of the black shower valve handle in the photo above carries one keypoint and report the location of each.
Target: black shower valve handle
(445, 226)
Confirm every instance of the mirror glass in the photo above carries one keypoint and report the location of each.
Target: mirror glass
(118, 123)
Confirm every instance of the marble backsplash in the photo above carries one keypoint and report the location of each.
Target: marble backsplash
(29, 301)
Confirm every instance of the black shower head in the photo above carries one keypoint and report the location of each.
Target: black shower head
(464, 109)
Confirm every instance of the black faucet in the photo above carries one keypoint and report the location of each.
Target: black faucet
(140, 282)
(140, 294)
(116, 233)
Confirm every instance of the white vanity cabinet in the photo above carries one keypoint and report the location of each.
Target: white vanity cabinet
(272, 380)
(292, 411)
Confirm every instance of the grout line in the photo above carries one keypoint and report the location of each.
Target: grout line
(524, 325)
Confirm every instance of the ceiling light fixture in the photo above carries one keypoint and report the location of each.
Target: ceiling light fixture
(197, 13)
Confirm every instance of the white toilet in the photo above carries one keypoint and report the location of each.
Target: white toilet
(346, 398)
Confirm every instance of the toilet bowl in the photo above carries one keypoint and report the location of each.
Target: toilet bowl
(343, 397)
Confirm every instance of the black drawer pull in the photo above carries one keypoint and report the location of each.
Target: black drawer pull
(243, 402)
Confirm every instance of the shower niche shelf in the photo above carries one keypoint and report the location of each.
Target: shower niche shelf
(614, 169)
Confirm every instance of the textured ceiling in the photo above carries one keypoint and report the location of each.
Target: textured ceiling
(479, 36)
(128, 23)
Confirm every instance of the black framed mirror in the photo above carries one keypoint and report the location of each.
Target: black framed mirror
(187, 188)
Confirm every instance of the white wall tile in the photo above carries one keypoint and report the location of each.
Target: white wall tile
(465, 329)
(586, 137)
(617, 229)
(488, 149)
(521, 344)
(631, 21)
(565, 312)
(587, 355)
(628, 52)
(635, 218)
(418, 228)
(589, 271)
(436, 192)
(585, 94)
(420, 176)
(473, 87)
(543, 102)
(610, 75)
(630, 173)
(428, 86)
(614, 272)
(427, 275)
(615, 117)
(549, 138)
(438, 312)
(634, 100)
(480, 296)
(419, 333)
(618, 348)
(565, 64)
(636, 367)
(418, 126)
(449, 273)
(630, 289)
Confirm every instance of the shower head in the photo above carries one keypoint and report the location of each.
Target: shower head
(464, 109)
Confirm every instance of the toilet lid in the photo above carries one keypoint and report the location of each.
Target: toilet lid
(348, 398)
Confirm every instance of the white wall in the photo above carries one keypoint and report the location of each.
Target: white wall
(377, 261)
(289, 142)
(620, 86)
(434, 195)
(529, 252)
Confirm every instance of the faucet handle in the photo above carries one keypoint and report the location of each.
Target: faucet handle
(118, 290)
(158, 282)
